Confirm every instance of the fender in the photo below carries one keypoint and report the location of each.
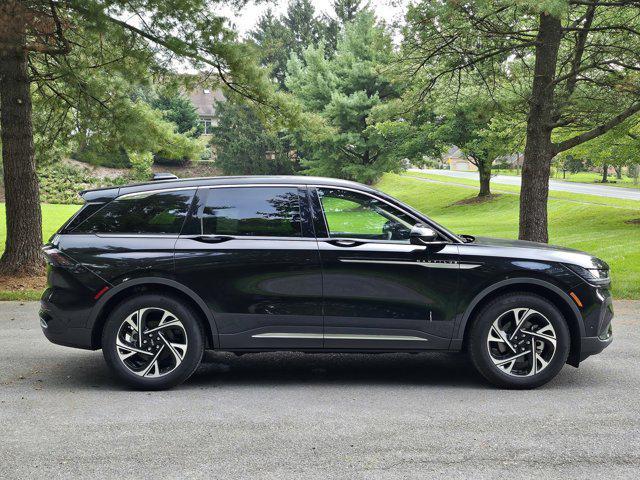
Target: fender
(102, 302)
(514, 281)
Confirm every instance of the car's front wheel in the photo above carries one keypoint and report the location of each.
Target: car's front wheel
(153, 342)
(519, 340)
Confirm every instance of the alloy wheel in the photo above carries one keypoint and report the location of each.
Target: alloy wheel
(151, 342)
(521, 342)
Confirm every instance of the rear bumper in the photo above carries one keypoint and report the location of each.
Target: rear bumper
(61, 329)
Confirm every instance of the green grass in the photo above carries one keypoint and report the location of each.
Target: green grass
(593, 224)
(20, 295)
(580, 177)
(53, 216)
(593, 177)
(599, 229)
(553, 194)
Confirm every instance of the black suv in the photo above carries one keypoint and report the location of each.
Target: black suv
(155, 273)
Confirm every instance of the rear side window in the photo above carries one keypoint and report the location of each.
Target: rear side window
(81, 215)
(252, 211)
(144, 212)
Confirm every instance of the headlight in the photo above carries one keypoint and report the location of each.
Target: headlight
(596, 276)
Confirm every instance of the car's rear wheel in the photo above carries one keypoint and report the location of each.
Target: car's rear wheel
(519, 340)
(153, 342)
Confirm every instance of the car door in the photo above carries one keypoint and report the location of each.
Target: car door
(380, 291)
(250, 253)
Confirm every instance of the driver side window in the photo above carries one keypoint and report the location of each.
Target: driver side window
(354, 215)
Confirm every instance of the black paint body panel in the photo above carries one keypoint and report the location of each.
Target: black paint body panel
(328, 296)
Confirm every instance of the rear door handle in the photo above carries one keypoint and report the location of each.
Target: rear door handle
(212, 238)
(344, 243)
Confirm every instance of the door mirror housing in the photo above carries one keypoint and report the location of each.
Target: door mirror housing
(422, 235)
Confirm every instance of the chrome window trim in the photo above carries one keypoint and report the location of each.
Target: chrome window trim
(154, 192)
(191, 236)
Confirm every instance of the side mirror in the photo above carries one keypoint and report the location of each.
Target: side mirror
(422, 235)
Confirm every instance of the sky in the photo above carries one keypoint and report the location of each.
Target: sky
(388, 10)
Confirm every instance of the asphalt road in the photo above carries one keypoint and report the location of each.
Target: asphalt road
(314, 416)
(558, 185)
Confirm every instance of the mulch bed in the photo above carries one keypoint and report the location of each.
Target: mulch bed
(476, 200)
(23, 283)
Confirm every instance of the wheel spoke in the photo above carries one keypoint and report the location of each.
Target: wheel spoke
(172, 323)
(541, 335)
(153, 364)
(174, 349)
(510, 359)
(123, 346)
(497, 335)
(520, 318)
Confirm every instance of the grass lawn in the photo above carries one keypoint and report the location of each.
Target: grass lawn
(53, 216)
(581, 177)
(598, 228)
(594, 224)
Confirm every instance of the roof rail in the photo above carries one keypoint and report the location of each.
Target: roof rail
(164, 176)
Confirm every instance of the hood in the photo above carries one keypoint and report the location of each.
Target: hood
(539, 251)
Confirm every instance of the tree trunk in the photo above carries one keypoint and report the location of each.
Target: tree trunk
(539, 149)
(605, 173)
(22, 254)
(618, 172)
(484, 170)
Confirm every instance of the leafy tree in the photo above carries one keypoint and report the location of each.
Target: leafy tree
(51, 35)
(468, 124)
(244, 147)
(619, 147)
(341, 93)
(346, 10)
(292, 33)
(300, 27)
(573, 63)
(180, 110)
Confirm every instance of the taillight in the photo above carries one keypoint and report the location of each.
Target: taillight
(56, 258)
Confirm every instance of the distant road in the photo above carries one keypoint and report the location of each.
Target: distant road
(559, 185)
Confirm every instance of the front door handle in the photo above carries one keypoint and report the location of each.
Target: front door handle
(212, 238)
(339, 242)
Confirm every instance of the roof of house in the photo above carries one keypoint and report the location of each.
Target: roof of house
(455, 152)
(204, 100)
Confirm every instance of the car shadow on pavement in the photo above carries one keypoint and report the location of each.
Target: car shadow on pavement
(432, 369)
(348, 369)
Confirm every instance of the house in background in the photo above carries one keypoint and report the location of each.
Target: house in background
(513, 161)
(458, 161)
(204, 99)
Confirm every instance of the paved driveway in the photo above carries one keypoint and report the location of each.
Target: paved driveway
(558, 185)
(314, 416)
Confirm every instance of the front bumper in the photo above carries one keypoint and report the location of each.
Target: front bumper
(592, 345)
(601, 322)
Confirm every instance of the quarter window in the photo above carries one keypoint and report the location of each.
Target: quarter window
(354, 215)
(144, 212)
(252, 211)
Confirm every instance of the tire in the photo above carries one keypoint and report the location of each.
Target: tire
(495, 340)
(170, 349)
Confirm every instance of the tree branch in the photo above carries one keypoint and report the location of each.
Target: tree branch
(597, 131)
